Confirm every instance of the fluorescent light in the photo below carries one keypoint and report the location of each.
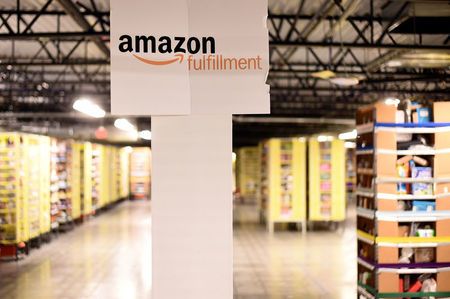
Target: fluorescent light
(85, 106)
(348, 135)
(345, 81)
(326, 74)
(394, 63)
(302, 139)
(323, 138)
(349, 144)
(233, 156)
(124, 124)
(145, 134)
(392, 101)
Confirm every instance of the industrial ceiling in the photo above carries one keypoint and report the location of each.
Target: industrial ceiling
(53, 51)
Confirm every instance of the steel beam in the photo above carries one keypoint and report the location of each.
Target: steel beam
(328, 18)
(293, 120)
(279, 43)
(67, 36)
(78, 17)
(32, 12)
(50, 63)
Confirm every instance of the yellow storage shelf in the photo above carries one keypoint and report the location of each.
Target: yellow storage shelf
(327, 180)
(12, 230)
(283, 181)
(140, 172)
(124, 172)
(86, 178)
(247, 171)
(45, 223)
(75, 180)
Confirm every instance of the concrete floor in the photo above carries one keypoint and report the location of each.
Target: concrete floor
(109, 257)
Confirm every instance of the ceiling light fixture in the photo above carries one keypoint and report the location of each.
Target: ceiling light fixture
(394, 63)
(124, 124)
(325, 74)
(349, 144)
(345, 81)
(348, 135)
(323, 138)
(145, 134)
(87, 107)
(392, 101)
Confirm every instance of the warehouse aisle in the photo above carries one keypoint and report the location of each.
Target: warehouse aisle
(109, 257)
(314, 267)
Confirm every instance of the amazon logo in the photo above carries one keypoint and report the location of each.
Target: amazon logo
(178, 46)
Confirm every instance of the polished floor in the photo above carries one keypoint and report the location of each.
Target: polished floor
(109, 257)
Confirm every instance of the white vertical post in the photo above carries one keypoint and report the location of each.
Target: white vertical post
(192, 207)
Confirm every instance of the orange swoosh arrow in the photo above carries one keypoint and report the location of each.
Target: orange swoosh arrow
(179, 57)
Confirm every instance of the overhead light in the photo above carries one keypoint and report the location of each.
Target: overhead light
(348, 135)
(394, 63)
(392, 101)
(326, 74)
(349, 144)
(345, 81)
(87, 107)
(323, 138)
(145, 134)
(233, 156)
(124, 124)
(302, 139)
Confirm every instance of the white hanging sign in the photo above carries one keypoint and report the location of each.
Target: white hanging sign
(179, 57)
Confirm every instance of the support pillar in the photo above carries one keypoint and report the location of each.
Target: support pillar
(192, 231)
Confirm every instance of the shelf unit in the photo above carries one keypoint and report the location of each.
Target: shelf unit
(140, 171)
(54, 188)
(247, 171)
(350, 169)
(96, 176)
(116, 174)
(76, 173)
(44, 173)
(13, 213)
(327, 180)
(393, 262)
(67, 178)
(31, 166)
(283, 182)
(85, 152)
(124, 172)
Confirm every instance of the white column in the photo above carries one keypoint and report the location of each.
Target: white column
(192, 207)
